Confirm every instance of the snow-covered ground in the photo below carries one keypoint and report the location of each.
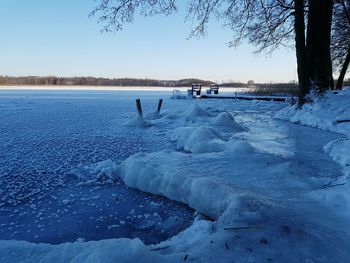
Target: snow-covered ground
(330, 112)
(274, 190)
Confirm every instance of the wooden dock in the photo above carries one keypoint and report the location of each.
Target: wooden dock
(245, 97)
(213, 93)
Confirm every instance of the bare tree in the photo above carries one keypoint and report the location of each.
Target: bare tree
(267, 24)
(318, 43)
(301, 51)
(341, 39)
(115, 13)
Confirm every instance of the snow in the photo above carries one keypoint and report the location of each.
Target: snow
(198, 140)
(264, 190)
(324, 113)
(116, 250)
(226, 119)
(339, 151)
(196, 113)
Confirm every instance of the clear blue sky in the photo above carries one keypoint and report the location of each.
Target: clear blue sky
(56, 37)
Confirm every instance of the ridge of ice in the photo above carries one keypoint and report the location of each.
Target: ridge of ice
(226, 120)
(198, 139)
(195, 113)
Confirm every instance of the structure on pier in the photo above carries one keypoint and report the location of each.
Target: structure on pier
(214, 88)
(195, 91)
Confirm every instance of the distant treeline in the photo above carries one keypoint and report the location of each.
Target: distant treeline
(92, 81)
(125, 82)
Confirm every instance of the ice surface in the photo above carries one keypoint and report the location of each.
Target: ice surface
(329, 112)
(58, 158)
(140, 122)
(270, 188)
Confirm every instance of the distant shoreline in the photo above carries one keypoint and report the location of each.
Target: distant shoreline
(91, 87)
(105, 88)
(82, 87)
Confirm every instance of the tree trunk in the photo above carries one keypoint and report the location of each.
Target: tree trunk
(312, 38)
(343, 71)
(326, 47)
(301, 54)
(318, 43)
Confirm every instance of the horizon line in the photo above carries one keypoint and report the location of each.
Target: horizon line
(135, 78)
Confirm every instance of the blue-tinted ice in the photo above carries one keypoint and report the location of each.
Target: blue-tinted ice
(45, 136)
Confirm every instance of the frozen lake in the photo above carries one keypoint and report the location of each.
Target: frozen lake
(50, 141)
(271, 187)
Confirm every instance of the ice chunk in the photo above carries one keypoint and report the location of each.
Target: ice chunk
(100, 173)
(239, 147)
(195, 113)
(226, 120)
(198, 140)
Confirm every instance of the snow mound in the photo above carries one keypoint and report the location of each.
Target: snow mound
(339, 150)
(190, 237)
(100, 173)
(139, 172)
(198, 140)
(139, 122)
(239, 147)
(323, 113)
(226, 120)
(206, 192)
(205, 139)
(115, 250)
(196, 113)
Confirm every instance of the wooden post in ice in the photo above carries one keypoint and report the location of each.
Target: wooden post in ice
(235, 95)
(159, 105)
(139, 108)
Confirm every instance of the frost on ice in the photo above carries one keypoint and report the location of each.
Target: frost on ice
(265, 183)
(104, 172)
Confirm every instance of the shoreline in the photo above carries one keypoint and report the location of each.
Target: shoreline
(105, 88)
(78, 87)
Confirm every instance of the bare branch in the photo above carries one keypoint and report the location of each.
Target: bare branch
(267, 24)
